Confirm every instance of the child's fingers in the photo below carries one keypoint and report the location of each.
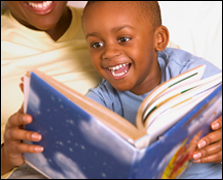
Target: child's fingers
(20, 134)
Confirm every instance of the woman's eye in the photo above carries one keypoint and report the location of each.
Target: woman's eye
(124, 39)
(96, 45)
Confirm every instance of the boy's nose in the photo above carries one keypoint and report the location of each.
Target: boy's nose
(110, 52)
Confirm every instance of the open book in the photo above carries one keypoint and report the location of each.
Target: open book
(83, 139)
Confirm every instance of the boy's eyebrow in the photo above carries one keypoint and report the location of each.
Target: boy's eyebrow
(113, 29)
(121, 27)
(91, 34)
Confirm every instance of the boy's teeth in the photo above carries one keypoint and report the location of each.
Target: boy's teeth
(117, 67)
(119, 74)
(44, 4)
(113, 69)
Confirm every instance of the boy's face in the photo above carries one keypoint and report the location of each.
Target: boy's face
(122, 45)
(40, 15)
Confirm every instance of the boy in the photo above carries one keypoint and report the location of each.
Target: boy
(128, 43)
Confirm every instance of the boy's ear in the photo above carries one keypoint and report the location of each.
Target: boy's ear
(161, 38)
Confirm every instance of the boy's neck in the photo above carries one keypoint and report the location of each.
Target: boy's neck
(155, 80)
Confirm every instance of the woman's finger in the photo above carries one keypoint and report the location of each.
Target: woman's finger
(21, 134)
(27, 148)
(212, 153)
(18, 119)
(217, 123)
(210, 138)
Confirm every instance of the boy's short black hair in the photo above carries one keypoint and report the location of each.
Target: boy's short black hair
(148, 9)
(151, 9)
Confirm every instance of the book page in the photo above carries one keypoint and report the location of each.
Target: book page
(166, 116)
(170, 117)
(190, 76)
(177, 92)
(204, 89)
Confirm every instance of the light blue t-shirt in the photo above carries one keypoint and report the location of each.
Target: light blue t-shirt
(172, 63)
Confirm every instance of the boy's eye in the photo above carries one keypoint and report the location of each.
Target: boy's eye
(96, 45)
(124, 39)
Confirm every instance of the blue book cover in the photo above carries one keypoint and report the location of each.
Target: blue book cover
(79, 145)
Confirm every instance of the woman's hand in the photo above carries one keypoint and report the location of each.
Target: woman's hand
(210, 146)
(13, 147)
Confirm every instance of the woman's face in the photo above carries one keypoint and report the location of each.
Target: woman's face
(38, 15)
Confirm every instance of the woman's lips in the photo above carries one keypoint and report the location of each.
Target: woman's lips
(40, 8)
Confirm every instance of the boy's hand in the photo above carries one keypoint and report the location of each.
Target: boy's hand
(13, 146)
(210, 146)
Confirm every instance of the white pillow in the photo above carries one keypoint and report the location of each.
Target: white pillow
(196, 26)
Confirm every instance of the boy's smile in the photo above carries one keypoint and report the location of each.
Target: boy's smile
(119, 71)
(122, 45)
